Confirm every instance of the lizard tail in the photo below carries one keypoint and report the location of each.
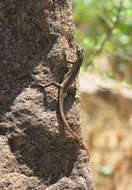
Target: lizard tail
(66, 125)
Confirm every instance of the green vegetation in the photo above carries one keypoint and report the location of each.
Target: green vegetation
(104, 27)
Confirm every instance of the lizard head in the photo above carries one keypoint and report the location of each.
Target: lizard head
(79, 52)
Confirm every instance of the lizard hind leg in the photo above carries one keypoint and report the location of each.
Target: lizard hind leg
(52, 83)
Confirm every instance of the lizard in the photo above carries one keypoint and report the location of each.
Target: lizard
(67, 82)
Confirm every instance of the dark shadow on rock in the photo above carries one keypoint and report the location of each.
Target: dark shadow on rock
(43, 152)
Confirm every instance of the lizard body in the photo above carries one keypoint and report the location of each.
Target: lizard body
(67, 82)
(63, 89)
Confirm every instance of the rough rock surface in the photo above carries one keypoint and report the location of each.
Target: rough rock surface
(37, 36)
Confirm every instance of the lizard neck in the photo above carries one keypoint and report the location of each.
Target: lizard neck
(71, 77)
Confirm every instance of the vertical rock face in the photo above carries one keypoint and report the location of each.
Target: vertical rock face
(36, 152)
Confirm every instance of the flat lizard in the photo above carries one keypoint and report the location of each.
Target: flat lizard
(67, 82)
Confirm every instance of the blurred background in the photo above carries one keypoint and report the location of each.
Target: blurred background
(104, 31)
